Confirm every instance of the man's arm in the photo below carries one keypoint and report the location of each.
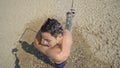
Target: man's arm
(37, 43)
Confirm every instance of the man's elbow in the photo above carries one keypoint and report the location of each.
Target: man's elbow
(35, 44)
(58, 59)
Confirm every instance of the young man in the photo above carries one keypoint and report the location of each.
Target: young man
(54, 41)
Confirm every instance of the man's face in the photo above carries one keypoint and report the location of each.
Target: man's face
(48, 39)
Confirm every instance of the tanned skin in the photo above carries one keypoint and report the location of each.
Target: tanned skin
(57, 48)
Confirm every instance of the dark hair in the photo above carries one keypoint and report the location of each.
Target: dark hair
(53, 27)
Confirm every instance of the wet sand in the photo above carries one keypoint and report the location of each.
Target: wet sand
(81, 56)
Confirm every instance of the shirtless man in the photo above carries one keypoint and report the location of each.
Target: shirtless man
(54, 41)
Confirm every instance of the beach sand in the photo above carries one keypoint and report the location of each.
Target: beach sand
(96, 34)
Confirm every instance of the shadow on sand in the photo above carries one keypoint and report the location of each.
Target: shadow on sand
(14, 51)
(29, 48)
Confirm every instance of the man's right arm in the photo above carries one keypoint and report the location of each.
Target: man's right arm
(37, 41)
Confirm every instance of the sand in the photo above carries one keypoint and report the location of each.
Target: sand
(96, 32)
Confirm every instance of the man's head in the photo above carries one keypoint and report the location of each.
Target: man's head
(51, 32)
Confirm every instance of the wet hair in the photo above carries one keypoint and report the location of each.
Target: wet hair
(53, 27)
